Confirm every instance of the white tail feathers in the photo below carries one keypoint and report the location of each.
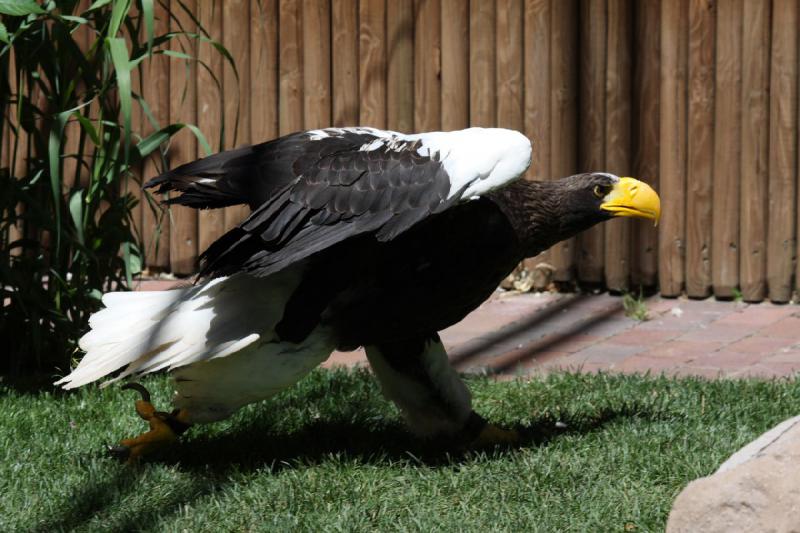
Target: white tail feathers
(149, 331)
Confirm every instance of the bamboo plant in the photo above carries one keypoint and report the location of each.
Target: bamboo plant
(70, 151)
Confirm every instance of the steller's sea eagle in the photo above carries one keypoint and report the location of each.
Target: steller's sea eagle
(356, 237)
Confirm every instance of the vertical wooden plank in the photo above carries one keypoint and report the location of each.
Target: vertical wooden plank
(290, 99)
(317, 63)
(672, 159)
(591, 134)
(400, 65)
(536, 37)
(264, 70)
(509, 44)
(210, 222)
(618, 137)
(482, 82)
(372, 52)
(344, 16)
(753, 194)
(155, 225)
(183, 148)
(783, 139)
(455, 64)
(645, 140)
(427, 61)
(537, 85)
(727, 143)
(236, 25)
(564, 115)
(699, 171)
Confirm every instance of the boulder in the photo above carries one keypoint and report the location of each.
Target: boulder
(756, 489)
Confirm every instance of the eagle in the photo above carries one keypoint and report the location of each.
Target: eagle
(356, 237)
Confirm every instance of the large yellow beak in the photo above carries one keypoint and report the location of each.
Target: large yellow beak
(633, 198)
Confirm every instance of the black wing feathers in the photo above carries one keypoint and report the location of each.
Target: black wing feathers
(337, 191)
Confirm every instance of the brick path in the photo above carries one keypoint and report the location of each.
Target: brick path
(537, 333)
(511, 335)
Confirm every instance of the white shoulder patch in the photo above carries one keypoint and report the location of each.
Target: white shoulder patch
(478, 160)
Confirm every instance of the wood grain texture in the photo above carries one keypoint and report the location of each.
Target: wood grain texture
(645, 139)
(236, 26)
(344, 19)
(372, 53)
(264, 51)
(591, 134)
(210, 104)
(755, 155)
(482, 57)
(783, 147)
(536, 74)
(509, 77)
(401, 64)
(672, 158)
(699, 171)
(155, 225)
(564, 115)
(455, 64)
(618, 137)
(290, 61)
(727, 144)
(316, 64)
(183, 147)
(427, 65)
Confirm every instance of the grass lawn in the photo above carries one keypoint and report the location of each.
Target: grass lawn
(603, 453)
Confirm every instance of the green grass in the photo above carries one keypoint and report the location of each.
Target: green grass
(635, 306)
(331, 454)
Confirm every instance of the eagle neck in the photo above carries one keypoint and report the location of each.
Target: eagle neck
(536, 212)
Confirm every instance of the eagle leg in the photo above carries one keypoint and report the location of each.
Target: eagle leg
(165, 428)
(491, 436)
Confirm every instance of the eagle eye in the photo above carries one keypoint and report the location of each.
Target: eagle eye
(600, 191)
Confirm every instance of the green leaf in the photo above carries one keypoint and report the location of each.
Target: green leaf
(119, 57)
(98, 4)
(71, 18)
(88, 127)
(118, 12)
(150, 143)
(18, 8)
(76, 210)
(4, 33)
(149, 18)
(54, 160)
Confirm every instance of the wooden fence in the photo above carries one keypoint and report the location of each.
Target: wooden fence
(698, 97)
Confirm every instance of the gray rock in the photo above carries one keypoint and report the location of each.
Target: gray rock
(756, 490)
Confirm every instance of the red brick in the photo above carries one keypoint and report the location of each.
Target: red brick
(726, 359)
(640, 364)
(786, 328)
(758, 315)
(645, 337)
(681, 351)
(791, 356)
(716, 332)
(760, 344)
(774, 370)
(349, 359)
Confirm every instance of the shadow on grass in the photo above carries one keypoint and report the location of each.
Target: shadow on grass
(212, 461)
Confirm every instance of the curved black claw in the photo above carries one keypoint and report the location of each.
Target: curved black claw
(119, 452)
(138, 388)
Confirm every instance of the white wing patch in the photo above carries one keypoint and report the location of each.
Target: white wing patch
(477, 160)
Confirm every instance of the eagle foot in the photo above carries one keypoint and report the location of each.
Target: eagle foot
(491, 436)
(165, 428)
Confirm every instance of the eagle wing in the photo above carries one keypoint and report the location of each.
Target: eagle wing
(314, 189)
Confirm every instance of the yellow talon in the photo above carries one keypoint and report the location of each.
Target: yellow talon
(165, 428)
